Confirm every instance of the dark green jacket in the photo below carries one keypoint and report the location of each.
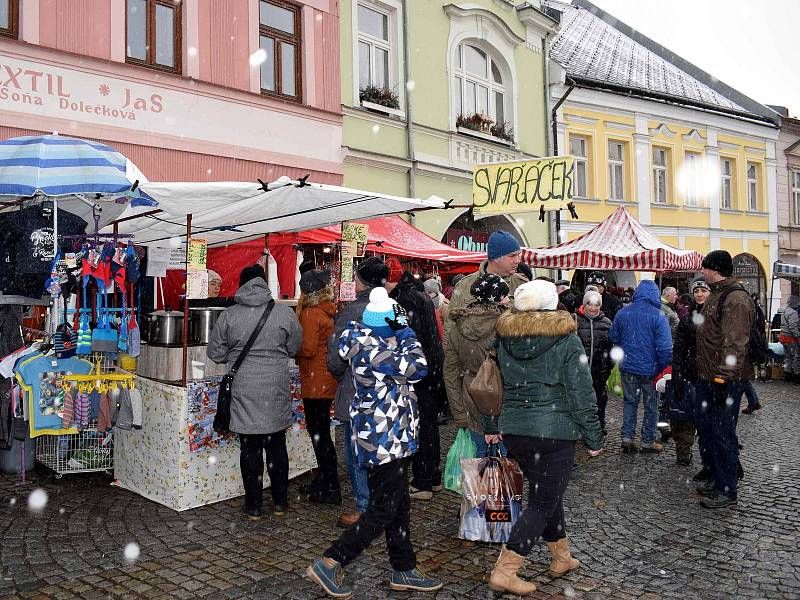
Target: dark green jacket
(547, 387)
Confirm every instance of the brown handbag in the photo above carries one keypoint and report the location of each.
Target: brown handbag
(486, 389)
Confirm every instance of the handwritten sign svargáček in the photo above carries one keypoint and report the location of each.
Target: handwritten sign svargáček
(523, 186)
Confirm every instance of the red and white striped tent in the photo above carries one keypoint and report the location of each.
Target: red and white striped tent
(620, 243)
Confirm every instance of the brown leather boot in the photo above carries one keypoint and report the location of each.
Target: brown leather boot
(562, 562)
(504, 576)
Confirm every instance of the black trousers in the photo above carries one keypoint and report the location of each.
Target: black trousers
(601, 393)
(426, 469)
(388, 512)
(547, 464)
(318, 424)
(251, 461)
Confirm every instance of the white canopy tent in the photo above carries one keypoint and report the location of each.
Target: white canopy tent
(226, 212)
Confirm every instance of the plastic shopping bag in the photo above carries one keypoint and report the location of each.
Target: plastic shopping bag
(614, 382)
(491, 500)
(463, 447)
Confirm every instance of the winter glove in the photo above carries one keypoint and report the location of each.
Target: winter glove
(400, 320)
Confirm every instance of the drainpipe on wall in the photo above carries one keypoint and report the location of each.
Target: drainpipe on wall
(548, 141)
(412, 171)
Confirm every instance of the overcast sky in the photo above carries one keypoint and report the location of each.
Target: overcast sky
(752, 45)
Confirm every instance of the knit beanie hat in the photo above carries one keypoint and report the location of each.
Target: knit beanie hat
(596, 278)
(306, 265)
(489, 288)
(380, 308)
(395, 270)
(373, 271)
(719, 261)
(500, 244)
(431, 285)
(214, 276)
(700, 283)
(314, 281)
(536, 295)
(251, 272)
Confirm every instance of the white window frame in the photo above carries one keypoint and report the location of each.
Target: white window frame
(581, 164)
(661, 177)
(726, 183)
(691, 178)
(752, 187)
(462, 77)
(392, 9)
(614, 177)
(795, 185)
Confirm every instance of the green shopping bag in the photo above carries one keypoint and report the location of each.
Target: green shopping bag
(614, 382)
(463, 447)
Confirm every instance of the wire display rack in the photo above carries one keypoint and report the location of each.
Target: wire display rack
(87, 451)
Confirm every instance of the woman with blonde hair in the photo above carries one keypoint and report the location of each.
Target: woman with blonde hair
(318, 385)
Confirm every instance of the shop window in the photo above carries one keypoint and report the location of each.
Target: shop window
(154, 34)
(691, 178)
(579, 148)
(481, 98)
(660, 175)
(796, 196)
(9, 16)
(616, 170)
(752, 187)
(726, 185)
(280, 39)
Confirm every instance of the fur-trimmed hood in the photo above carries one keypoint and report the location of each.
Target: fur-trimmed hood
(526, 335)
(477, 321)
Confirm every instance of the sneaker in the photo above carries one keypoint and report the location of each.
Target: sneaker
(703, 474)
(629, 447)
(706, 489)
(419, 494)
(718, 501)
(253, 515)
(330, 579)
(653, 448)
(278, 510)
(751, 409)
(414, 580)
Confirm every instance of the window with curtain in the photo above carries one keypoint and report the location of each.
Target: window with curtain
(726, 185)
(153, 34)
(579, 148)
(9, 17)
(616, 170)
(479, 86)
(752, 187)
(660, 175)
(281, 41)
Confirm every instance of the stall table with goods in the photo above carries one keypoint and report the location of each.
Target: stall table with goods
(176, 458)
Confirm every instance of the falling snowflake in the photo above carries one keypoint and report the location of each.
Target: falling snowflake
(191, 51)
(61, 510)
(258, 57)
(569, 592)
(410, 85)
(12, 501)
(698, 319)
(376, 128)
(37, 500)
(730, 360)
(617, 354)
(775, 469)
(104, 90)
(212, 460)
(622, 486)
(582, 359)
(131, 552)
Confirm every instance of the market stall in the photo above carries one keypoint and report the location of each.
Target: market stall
(195, 465)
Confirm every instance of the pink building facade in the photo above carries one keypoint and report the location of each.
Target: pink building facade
(189, 90)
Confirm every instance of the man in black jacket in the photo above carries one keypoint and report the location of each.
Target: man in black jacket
(566, 296)
(402, 287)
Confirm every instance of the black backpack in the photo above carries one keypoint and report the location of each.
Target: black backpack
(757, 343)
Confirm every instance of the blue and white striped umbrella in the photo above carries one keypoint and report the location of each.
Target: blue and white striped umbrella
(54, 165)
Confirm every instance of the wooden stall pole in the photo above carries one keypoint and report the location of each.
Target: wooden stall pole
(186, 302)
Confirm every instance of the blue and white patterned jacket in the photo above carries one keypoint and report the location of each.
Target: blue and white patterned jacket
(383, 411)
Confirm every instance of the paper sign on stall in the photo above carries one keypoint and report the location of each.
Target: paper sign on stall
(347, 287)
(359, 233)
(197, 285)
(197, 254)
(177, 258)
(157, 261)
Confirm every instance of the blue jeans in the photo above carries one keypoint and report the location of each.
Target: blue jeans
(702, 421)
(635, 388)
(724, 445)
(481, 446)
(750, 392)
(358, 475)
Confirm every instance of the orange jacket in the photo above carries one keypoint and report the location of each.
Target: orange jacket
(317, 323)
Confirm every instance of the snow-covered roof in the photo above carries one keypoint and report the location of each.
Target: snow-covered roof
(595, 47)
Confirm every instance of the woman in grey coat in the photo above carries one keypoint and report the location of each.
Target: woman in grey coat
(261, 406)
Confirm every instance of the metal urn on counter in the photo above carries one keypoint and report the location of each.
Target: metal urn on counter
(165, 328)
(201, 324)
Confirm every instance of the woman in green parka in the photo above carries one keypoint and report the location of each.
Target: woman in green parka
(548, 404)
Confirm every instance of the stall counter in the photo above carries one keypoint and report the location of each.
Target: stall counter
(164, 463)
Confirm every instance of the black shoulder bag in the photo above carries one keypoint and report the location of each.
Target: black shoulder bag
(222, 420)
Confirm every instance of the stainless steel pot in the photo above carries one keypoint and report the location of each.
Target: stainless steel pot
(201, 323)
(165, 328)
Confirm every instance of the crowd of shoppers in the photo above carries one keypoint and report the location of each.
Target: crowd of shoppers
(386, 361)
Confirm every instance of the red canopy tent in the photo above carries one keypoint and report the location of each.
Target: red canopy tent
(620, 243)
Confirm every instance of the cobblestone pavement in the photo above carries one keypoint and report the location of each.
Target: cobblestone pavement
(633, 520)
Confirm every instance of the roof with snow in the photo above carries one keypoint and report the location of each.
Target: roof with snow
(598, 50)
